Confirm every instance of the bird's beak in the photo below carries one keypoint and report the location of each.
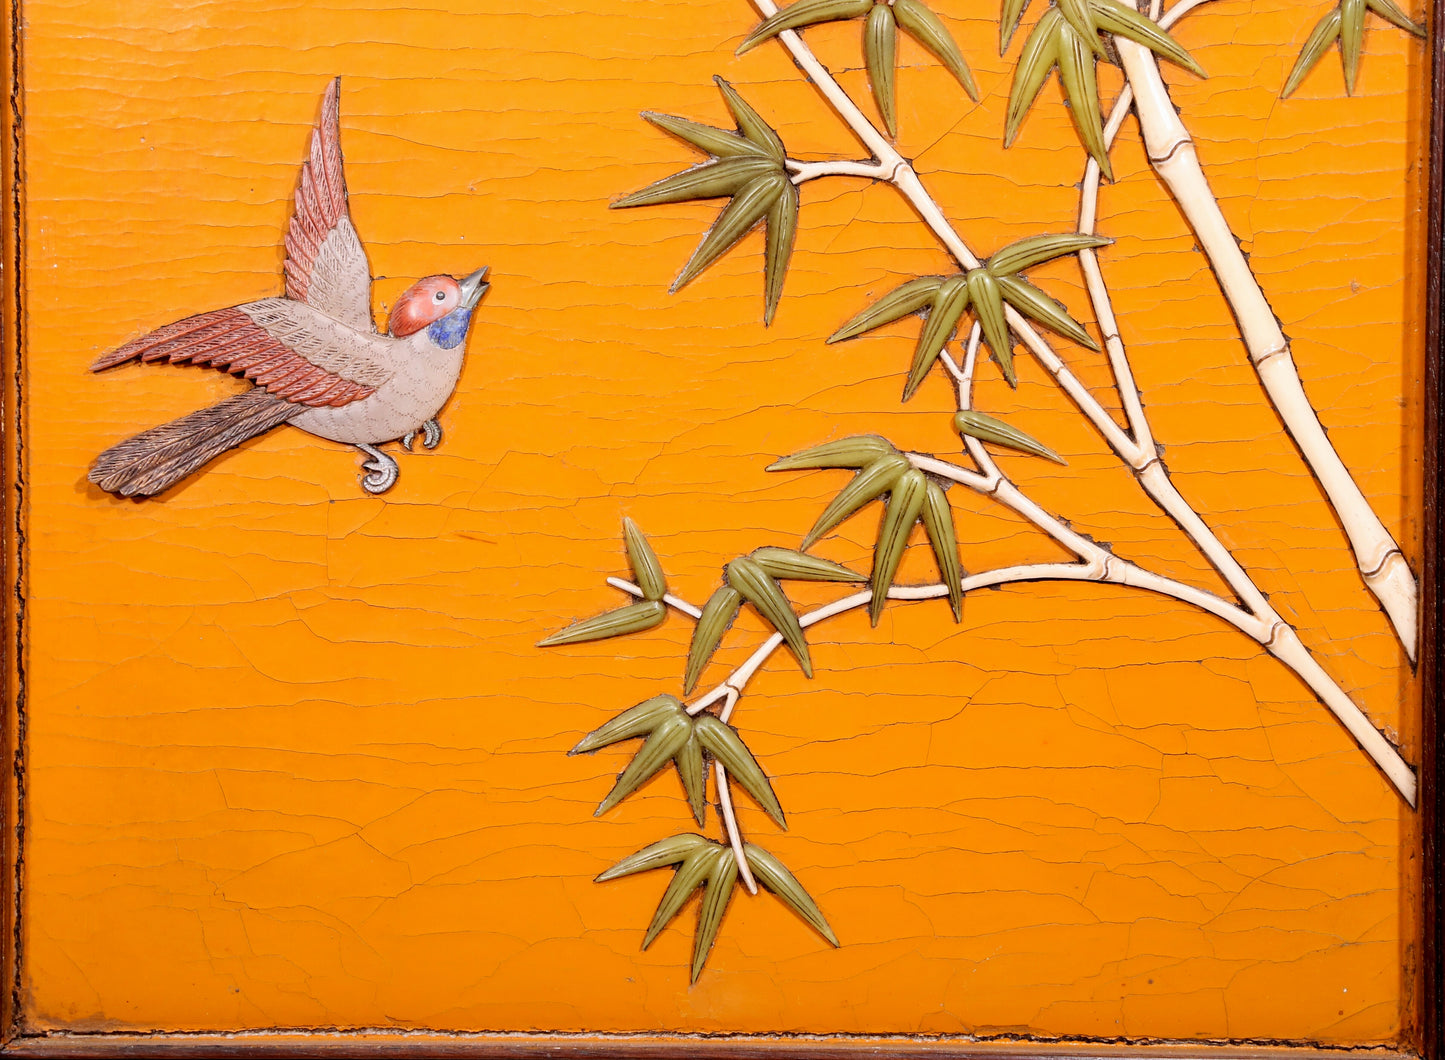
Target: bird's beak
(474, 286)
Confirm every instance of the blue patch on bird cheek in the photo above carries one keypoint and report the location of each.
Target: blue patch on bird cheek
(451, 330)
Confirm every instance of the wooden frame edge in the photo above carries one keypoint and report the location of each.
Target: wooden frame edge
(1423, 1042)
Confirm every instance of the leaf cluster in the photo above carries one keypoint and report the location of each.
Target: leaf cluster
(881, 23)
(630, 618)
(713, 867)
(1345, 24)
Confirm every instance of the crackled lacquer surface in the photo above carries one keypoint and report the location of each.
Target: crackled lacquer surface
(292, 757)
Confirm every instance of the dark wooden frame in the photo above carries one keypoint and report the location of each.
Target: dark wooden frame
(1425, 1040)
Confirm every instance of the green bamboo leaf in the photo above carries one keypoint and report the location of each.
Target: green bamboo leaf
(1008, 21)
(937, 517)
(720, 885)
(928, 30)
(854, 452)
(717, 615)
(1115, 17)
(774, 875)
(904, 507)
(990, 429)
(1352, 40)
(896, 304)
(750, 124)
(987, 297)
(691, 875)
(803, 13)
(669, 851)
(1080, 17)
(1037, 59)
(782, 228)
(633, 618)
(656, 751)
(711, 180)
(1035, 250)
(790, 565)
(949, 302)
(693, 774)
(880, 53)
(1081, 85)
(1037, 306)
(767, 597)
(645, 567)
(747, 207)
(871, 482)
(717, 142)
(1319, 41)
(631, 723)
(724, 744)
(1391, 12)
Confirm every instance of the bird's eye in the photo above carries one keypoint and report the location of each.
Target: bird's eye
(441, 296)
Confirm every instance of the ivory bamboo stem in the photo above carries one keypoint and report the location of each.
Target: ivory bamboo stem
(1171, 152)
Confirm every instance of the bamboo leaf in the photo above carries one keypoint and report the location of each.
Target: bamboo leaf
(989, 429)
(1391, 12)
(1039, 307)
(904, 506)
(1037, 59)
(750, 124)
(790, 565)
(1035, 250)
(949, 302)
(1081, 85)
(1116, 17)
(1080, 18)
(724, 744)
(874, 480)
(631, 723)
(720, 884)
(692, 773)
(896, 304)
(987, 298)
(656, 751)
(1352, 40)
(803, 13)
(854, 452)
(717, 142)
(1008, 21)
(774, 875)
(1318, 42)
(669, 851)
(711, 180)
(747, 207)
(645, 567)
(782, 228)
(880, 54)
(633, 618)
(937, 517)
(717, 615)
(688, 878)
(767, 597)
(928, 30)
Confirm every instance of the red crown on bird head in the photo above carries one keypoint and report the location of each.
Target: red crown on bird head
(423, 303)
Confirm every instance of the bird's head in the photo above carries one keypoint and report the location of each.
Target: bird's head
(440, 304)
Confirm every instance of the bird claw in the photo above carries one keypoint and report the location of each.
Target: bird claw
(431, 436)
(382, 470)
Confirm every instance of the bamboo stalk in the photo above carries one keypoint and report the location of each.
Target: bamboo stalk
(1171, 152)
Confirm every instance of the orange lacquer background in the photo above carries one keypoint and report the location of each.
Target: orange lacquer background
(293, 758)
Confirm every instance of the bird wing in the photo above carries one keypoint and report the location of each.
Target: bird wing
(291, 350)
(326, 267)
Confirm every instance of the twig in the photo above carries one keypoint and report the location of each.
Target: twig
(671, 601)
(730, 825)
(1171, 152)
(806, 171)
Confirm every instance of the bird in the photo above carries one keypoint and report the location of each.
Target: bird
(313, 356)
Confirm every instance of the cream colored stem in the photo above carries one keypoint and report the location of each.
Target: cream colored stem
(675, 602)
(802, 172)
(1171, 152)
(730, 826)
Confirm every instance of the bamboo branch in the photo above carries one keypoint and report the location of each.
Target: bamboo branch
(1171, 152)
(674, 602)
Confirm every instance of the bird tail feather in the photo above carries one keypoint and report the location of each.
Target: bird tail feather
(154, 460)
